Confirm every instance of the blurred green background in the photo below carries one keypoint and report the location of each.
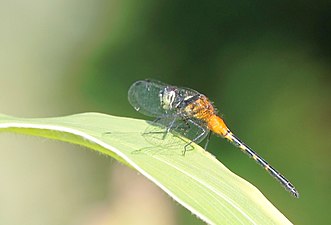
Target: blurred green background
(265, 64)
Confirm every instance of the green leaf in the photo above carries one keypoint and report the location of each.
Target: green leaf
(197, 180)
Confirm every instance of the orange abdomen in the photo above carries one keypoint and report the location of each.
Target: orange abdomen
(217, 125)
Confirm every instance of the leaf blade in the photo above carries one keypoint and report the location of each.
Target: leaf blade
(197, 180)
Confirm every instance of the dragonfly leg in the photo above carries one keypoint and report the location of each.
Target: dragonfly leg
(163, 128)
(207, 141)
(169, 127)
(196, 138)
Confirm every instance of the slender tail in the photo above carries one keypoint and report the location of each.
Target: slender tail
(286, 184)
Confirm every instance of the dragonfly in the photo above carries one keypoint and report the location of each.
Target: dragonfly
(191, 114)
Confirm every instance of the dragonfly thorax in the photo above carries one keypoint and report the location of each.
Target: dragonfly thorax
(172, 99)
(199, 107)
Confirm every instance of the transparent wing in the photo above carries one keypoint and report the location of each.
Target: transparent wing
(188, 128)
(143, 95)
